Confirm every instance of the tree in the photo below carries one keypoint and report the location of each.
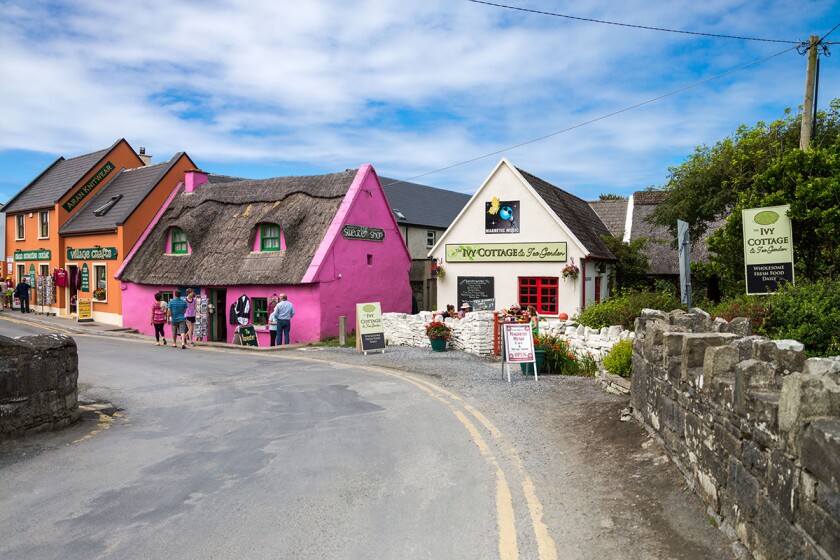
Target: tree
(609, 196)
(631, 269)
(762, 166)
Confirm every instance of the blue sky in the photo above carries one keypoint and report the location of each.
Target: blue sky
(264, 88)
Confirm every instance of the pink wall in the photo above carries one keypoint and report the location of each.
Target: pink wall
(344, 274)
(138, 300)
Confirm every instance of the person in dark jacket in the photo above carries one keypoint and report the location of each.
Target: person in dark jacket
(22, 293)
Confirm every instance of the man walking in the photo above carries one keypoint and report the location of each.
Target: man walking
(282, 315)
(175, 316)
(22, 293)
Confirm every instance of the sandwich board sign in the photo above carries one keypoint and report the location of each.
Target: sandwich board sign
(370, 332)
(768, 248)
(84, 311)
(247, 335)
(519, 347)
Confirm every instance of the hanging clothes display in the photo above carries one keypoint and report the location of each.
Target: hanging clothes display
(243, 310)
(60, 277)
(232, 318)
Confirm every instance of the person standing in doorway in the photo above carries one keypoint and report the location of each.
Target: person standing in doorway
(22, 293)
(272, 325)
(175, 314)
(159, 318)
(282, 316)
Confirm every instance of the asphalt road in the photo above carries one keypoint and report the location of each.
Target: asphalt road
(223, 454)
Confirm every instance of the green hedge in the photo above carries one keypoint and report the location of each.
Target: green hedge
(623, 308)
(808, 312)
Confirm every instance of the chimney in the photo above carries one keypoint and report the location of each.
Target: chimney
(193, 179)
(147, 160)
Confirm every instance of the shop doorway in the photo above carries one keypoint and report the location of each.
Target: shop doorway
(73, 296)
(220, 319)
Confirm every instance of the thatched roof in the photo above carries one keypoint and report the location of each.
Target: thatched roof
(578, 216)
(221, 219)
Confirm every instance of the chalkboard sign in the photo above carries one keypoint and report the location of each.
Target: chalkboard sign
(248, 336)
(477, 291)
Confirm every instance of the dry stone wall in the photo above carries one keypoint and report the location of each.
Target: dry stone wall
(38, 383)
(753, 424)
(474, 333)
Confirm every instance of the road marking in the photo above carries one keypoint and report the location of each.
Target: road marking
(103, 422)
(38, 325)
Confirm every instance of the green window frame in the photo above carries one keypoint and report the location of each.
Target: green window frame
(269, 237)
(180, 245)
(167, 296)
(260, 307)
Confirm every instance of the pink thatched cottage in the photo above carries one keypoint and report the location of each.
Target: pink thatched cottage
(326, 241)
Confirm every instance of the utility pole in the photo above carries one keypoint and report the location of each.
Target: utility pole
(808, 104)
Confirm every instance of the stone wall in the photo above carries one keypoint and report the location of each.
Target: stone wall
(38, 390)
(752, 423)
(474, 333)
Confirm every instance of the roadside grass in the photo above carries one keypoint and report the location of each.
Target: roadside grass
(333, 342)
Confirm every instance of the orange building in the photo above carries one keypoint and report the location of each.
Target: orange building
(82, 216)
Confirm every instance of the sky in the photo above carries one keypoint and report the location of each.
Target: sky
(264, 88)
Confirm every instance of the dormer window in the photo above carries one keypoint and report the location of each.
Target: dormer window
(271, 238)
(180, 245)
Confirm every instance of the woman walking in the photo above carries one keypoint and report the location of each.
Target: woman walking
(159, 318)
(189, 315)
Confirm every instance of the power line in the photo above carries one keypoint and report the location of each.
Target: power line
(554, 14)
(602, 117)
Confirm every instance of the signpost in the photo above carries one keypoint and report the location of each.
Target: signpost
(685, 262)
(768, 248)
(370, 332)
(84, 310)
(519, 347)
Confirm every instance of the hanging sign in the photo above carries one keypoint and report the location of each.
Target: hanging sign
(93, 254)
(86, 189)
(362, 232)
(84, 310)
(37, 255)
(501, 216)
(519, 346)
(85, 278)
(507, 252)
(248, 336)
(370, 332)
(768, 248)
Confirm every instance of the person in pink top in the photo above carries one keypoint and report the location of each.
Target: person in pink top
(190, 314)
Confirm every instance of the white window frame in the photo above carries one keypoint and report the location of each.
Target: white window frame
(47, 214)
(20, 223)
(21, 267)
(95, 279)
(431, 235)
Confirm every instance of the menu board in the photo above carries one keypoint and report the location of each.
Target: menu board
(477, 291)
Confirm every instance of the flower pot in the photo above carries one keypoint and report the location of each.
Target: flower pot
(528, 368)
(438, 344)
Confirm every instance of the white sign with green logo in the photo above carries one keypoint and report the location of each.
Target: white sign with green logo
(370, 332)
(768, 248)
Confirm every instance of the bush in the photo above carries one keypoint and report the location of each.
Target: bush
(561, 359)
(752, 307)
(620, 359)
(808, 312)
(623, 308)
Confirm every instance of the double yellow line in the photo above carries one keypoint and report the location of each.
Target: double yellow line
(508, 547)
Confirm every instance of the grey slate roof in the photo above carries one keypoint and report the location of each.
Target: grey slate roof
(578, 216)
(131, 186)
(220, 221)
(421, 205)
(55, 181)
(613, 213)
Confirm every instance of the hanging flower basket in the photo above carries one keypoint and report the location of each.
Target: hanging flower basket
(438, 270)
(571, 270)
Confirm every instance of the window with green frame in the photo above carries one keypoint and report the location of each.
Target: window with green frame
(269, 237)
(260, 306)
(179, 242)
(166, 296)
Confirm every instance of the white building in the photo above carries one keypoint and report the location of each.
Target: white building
(512, 242)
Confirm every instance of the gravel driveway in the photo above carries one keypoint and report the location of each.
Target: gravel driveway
(608, 489)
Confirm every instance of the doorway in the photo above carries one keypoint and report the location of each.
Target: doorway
(218, 331)
(72, 274)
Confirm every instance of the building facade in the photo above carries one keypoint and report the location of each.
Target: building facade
(522, 240)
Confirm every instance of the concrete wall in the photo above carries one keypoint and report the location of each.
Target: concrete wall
(38, 376)
(752, 423)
